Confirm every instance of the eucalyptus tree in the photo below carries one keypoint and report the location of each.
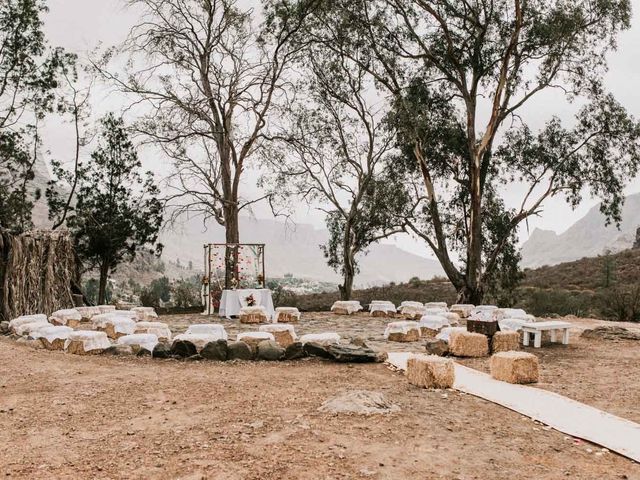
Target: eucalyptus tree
(29, 75)
(458, 75)
(206, 75)
(331, 152)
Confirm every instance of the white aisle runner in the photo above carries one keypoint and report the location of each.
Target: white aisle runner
(563, 414)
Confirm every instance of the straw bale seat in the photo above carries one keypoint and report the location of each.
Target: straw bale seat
(468, 344)
(515, 367)
(430, 371)
(283, 333)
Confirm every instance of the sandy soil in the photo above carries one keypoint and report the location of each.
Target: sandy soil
(65, 416)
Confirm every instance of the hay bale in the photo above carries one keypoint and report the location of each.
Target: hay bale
(462, 309)
(114, 326)
(24, 319)
(106, 308)
(53, 337)
(139, 341)
(86, 342)
(31, 327)
(87, 313)
(515, 367)
(254, 338)
(346, 307)
(69, 317)
(382, 308)
(505, 341)
(437, 305)
(402, 332)
(145, 313)
(159, 329)
(257, 314)
(426, 332)
(214, 329)
(283, 333)
(430, 371)
(468, 344)
(325, 339)
(287, 315)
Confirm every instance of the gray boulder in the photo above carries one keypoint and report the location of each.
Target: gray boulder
(313, 349)
(437, 347)
(353, 354)
(269, 350)
(183, 349)
(161, 350)
(239, 351)
(217, 350)
(294, 351)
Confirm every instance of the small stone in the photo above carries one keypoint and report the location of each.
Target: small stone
(239, 351)
(143, 352)
(4, 328)
(183, 349)
(437, 347)
(215, 351)
(294, 351)
(269, 350)
(195, 358)
(161, 350)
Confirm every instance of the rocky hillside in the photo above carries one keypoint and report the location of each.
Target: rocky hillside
(588, 237)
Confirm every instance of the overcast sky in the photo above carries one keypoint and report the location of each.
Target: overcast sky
(82, 25)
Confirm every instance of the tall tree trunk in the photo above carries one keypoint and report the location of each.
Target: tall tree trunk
(348, 265)
(232, 236)
(471, 294)
(102, 290)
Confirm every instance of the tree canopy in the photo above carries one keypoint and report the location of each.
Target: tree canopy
(457, 76)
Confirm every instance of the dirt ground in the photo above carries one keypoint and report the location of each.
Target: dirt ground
(66, 416)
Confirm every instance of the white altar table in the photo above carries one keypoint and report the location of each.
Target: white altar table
(233, 300)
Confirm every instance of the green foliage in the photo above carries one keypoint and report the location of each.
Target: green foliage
(186, 293)
(457, 75)
(29, 76)
(91, 290)
(159, 291)
(117, 212)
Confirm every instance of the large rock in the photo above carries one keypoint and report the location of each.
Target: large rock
(239, 351)
(353, 354)
(269, 350)
(294, 351)
(161, 350)
(435, 346)
(183, 348)
(4, 328)
(314, 349)
(215, 351)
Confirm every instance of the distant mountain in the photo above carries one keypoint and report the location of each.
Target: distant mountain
(295, 249)
(290, 248)
(588, 237)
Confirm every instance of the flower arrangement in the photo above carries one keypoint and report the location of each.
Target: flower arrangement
(250, 301)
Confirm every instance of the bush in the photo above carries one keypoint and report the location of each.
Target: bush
(621, 303)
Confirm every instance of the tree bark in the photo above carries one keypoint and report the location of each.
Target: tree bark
(232, 236)
(348, 264)
(102, 290)
(471, 294)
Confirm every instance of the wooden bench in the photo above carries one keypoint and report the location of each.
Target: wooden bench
(537, 328)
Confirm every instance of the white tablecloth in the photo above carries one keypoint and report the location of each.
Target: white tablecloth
(233, 300)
